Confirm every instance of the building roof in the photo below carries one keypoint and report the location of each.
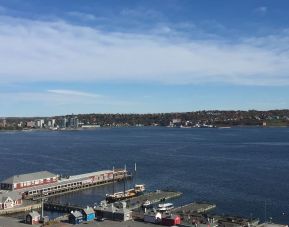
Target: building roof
(34, 214)
(13, 195)
(88, 210)
(3, 198)
(76, 214)
(86, 175)
(29, 177)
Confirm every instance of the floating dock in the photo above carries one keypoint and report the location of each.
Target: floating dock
(64, 208)
(194, 207)
(153, 197)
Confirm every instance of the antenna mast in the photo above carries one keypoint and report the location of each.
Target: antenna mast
(124, 181)
(113, 180)
(135, 173)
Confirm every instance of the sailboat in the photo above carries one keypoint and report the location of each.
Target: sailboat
(138, 189)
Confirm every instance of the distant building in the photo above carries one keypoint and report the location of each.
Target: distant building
(51, 123)
(73, 122)
(28, 180)
(3, 123)
(176, 121)
(30, 124)
(40, 123)
(63, 122)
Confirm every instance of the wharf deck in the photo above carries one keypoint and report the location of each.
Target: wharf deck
(21, 209)
(153, 197)
(194, 207)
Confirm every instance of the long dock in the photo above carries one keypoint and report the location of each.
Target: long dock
(71, 186)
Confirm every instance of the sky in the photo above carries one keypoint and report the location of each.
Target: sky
(142, 56)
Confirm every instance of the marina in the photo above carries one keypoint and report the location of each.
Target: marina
(155, 161)
(154, 207)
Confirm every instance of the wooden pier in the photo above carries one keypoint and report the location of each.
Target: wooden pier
(21, 209)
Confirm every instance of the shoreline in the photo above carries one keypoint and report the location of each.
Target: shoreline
(106, 127)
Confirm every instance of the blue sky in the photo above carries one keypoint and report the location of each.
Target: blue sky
(72, 56)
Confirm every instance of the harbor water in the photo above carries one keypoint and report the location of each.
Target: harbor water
(244, 171)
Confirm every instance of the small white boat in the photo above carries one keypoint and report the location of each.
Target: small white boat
(146, 204)
(163, 207)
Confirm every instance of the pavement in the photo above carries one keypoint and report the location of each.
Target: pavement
(13, 222)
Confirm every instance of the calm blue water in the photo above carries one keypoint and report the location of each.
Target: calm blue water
(238, 169)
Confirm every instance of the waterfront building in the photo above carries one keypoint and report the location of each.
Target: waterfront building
(171, 220)
(73, 122)
(3, 123)
(88, 214)
(152, 216)
(10, 200)
(51, 123)
(40, 123)
(30, 124)
(35, 185)
(112, 212)
(75, 218)
(33, 218)
(29, 180)
(63, 122)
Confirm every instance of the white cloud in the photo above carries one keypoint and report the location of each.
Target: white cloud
(74, 93)
(58, 51)
(261, 10)
(57, 102)
(2, 9)
(82, 16)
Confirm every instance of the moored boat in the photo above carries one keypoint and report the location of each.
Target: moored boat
(130, 193)
(163, 207)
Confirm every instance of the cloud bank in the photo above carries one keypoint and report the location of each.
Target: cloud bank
(39, 51)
